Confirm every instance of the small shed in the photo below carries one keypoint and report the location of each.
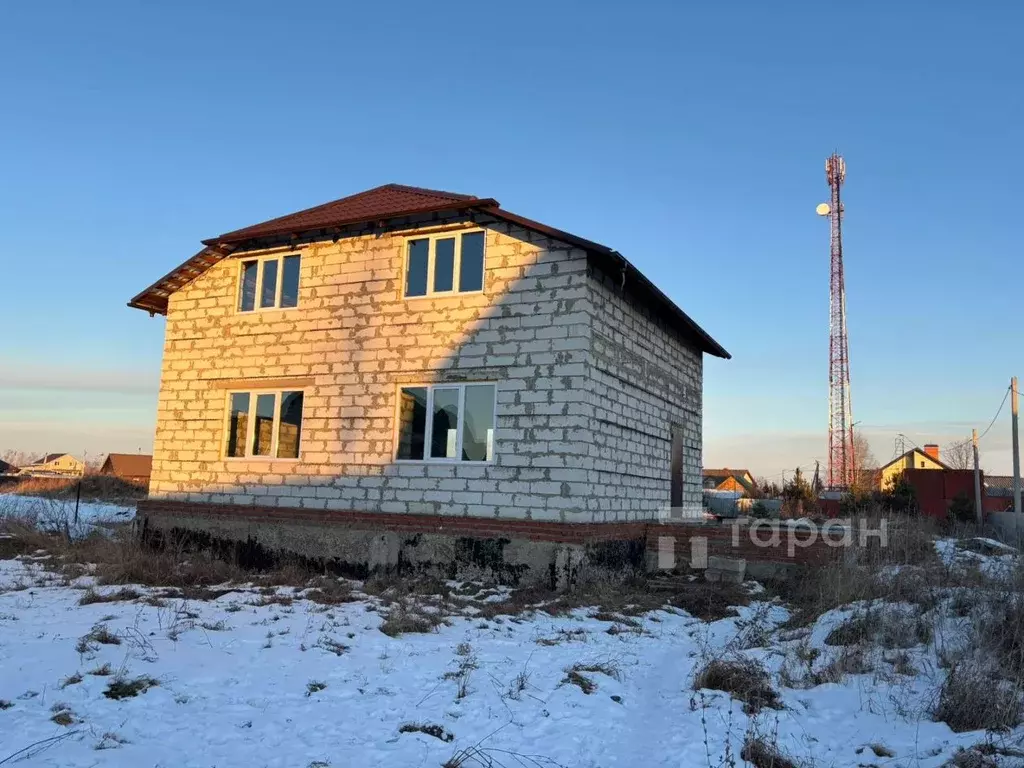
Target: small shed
(132, 467)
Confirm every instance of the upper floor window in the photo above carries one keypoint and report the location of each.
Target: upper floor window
(271, 282)
(264, 424)
(453, 422)
(445, 263)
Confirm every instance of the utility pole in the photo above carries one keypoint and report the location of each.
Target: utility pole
(1014, 408)
(977, 478)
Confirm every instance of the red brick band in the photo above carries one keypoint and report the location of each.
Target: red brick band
(790, 545)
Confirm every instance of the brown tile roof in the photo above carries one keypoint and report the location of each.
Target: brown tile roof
(739, 475)
(388, 201)
(127, 465)
(723, 473)
(394, 201)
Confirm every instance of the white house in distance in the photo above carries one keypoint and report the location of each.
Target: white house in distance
(405, 361)
(55, 465)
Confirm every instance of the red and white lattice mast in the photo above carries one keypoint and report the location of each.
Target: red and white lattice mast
(841, 467)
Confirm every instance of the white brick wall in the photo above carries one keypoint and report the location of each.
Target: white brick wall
(569, 443)
(644, 379)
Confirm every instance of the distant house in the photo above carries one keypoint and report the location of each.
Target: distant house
(6, 468)
(998, 492)
(997, 484)
(736, 480)
(915, 458)
(55, 465)
(132, 467)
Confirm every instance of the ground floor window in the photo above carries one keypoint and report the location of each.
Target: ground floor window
(262, 423)
(446, 422)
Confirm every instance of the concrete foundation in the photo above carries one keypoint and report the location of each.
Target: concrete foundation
(361, 552)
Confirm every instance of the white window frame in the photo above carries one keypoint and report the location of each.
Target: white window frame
(279, 258)
(428, 431)
(250, 424)
(433, 238)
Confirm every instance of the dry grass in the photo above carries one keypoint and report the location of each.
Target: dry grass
(408, 617)
(122, 688)
(759, 753)
(743, 679)
(584, 683)
(620, 598)
(179, 569)
(95, 487)
(437, 731)
(62, 715)
(884, 626)
(74, 679)
(125, 594)
(328, 591)
(973, 698)
(606, 668)
(98, 635)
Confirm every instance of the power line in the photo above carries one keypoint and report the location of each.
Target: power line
(1005, 395)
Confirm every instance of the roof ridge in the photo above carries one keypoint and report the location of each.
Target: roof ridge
(426, 191)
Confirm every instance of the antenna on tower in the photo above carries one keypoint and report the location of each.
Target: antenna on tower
(841, 470)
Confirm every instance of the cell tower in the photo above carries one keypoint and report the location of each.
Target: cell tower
(840, 412)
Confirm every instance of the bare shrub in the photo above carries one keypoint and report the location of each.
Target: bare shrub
(971, 698)
(518, 685)
(742, 678)
(462, 674)
(314, 686)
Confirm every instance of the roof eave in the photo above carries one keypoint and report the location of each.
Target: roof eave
(707, 343)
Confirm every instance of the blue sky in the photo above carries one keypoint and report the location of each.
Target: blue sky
(690, 137)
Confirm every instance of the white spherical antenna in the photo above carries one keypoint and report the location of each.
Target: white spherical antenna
(823, 209)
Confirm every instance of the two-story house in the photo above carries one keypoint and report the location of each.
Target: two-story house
(55, 465)
(406, 361)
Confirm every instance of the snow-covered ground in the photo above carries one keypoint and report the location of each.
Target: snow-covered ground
(53, 514)
(247, 681)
